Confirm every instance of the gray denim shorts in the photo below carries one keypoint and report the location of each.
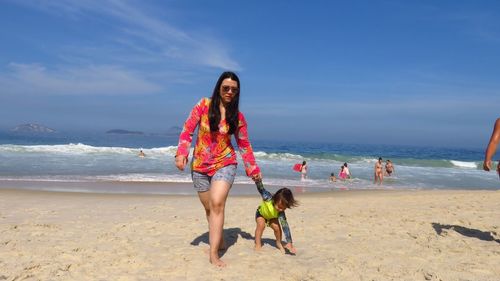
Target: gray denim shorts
(202, 181)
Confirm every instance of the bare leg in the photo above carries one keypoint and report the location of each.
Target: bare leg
(259, 229)
(205, 201)
(277, 233)
(218, 195)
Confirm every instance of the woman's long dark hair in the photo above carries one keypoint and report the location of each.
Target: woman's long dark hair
(232, 109)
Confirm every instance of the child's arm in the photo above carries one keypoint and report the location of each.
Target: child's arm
(266, 195)
(286, 231)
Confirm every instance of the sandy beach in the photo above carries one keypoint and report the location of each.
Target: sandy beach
(342, 235)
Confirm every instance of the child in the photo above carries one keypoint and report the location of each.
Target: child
(272, 212)
(332, 177)
(342, 173)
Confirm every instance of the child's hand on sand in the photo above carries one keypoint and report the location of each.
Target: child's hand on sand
(291, 248)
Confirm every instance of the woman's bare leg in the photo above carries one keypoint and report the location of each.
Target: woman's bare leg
(217, 202)
(205, 201)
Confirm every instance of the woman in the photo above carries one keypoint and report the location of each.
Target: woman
(303, 171)
(389, 168)
(346, 171)
(379, 175)
(213, 166)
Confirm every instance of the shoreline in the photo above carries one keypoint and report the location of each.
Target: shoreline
(186, 188)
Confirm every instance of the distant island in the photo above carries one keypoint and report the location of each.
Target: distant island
(174, 131)
(171, 132)
(124, 132)
(32, 128)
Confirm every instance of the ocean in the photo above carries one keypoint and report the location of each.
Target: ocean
(72, 161)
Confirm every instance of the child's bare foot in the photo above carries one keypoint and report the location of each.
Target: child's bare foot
(258, 247)
(282, 250)
(280, 247)
(217, 262)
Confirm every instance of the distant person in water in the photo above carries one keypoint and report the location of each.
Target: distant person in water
(303, 170)
(492, 147)
(389, 168)
(141, 154)
(332, 177)
(378, 174)
(342, 173)
(346, 171)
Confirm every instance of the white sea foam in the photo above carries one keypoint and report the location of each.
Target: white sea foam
(462, 164)
(277, 156)
(80, 148)
(146, 178)
(365, 160)
(76, 162)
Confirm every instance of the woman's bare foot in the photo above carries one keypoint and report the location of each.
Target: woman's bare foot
(217, 262)
(222, 245)
(258, 247)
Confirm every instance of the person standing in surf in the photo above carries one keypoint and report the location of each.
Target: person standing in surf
(342, 173)
(213, 167)
(379, 175)
(303, 170)
(346, 171)
(492, 147)
(389, 168)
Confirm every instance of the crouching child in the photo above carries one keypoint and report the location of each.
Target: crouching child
(271, 212)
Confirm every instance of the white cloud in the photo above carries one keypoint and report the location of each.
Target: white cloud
(89, 80)
(145, 30)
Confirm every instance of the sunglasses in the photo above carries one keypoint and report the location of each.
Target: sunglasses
(234, 90)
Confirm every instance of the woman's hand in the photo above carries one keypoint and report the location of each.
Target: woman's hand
(180, 162)
(257, 177)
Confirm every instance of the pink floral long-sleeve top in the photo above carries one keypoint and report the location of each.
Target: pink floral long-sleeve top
(213, 150)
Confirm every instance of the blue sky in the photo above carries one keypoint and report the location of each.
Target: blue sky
(385, 72)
